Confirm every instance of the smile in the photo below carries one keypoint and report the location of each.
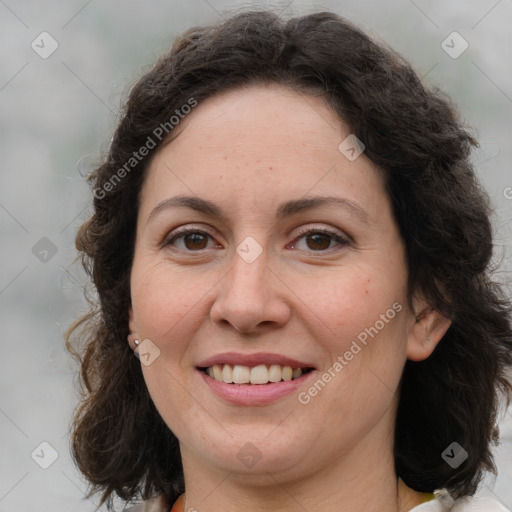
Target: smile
(260, 374)
(254, 379)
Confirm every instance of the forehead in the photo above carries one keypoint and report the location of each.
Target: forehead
(263, 141)
(264, 114)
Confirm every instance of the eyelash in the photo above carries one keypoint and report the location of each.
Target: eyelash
(342, 241)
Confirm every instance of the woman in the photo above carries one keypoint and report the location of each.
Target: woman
(290, 237)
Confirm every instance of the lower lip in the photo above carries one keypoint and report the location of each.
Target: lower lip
(254, 394)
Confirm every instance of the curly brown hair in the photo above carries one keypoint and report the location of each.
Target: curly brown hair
(413, 133)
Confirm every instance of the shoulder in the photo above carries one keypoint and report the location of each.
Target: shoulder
(443, 503)
(470, 504)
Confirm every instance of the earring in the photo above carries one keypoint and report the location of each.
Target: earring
(427, 340)
(136, 342)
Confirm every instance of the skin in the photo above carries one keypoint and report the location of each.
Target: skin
(249, 150)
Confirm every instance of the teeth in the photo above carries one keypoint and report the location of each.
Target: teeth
(274, 373)
(261, 374)
(286, 373)
(241, 374)
(227, 374)
(217, 372)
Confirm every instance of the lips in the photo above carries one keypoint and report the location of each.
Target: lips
(251, 360)
(250, 380)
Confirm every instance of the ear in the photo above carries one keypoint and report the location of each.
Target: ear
(426, 331)
(131, 326)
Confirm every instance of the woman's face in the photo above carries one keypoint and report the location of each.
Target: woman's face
(267, 278)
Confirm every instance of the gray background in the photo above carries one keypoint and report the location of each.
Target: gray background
(56, 118)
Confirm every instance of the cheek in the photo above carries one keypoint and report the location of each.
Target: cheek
(358, 385)
(351, 302)
(165, 303)
(162, 298)
(363, 317)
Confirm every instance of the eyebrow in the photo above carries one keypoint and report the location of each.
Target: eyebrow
(285, 209)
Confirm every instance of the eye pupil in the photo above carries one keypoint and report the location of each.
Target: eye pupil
(317, 239)
(194, 238)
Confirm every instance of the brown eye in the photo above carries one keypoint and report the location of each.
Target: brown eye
(195, 241)
(191, 240)
(319, 241)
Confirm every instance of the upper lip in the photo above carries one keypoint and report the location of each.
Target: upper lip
(251, 360)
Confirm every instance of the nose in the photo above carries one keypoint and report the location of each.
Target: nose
(251, 298)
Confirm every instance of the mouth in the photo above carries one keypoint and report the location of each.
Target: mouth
(260, 374)
(257, 379)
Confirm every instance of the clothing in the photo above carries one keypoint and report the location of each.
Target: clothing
(153, 505)
(444, 503)
(441, 503)
(179, 505)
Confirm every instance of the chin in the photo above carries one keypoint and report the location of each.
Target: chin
(253, 453)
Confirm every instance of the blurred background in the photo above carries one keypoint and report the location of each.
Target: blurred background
(65, 69)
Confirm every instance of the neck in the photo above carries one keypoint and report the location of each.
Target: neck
(364, 479)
